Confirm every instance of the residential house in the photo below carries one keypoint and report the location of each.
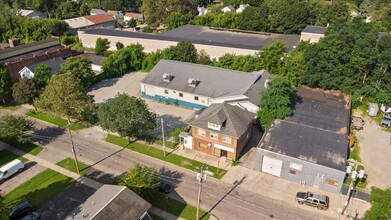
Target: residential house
(90, 21)
(229, 8)
(197, 86)
(221, 130)
(313, 34)
(241, 8)
(96, 65)
(311, 147)
(202, 10)
(134, 16)
(112, 202)
(31, 13)
(97, 11)
(55, 65)
(115, 14)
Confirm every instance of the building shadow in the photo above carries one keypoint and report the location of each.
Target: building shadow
(103, 84)
(170, 122)
(46, 135)
(256, 136)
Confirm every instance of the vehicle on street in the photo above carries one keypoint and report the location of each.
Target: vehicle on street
(32, 216)
(21, 210)
(15, 166)
(311, 199)
(164, 188)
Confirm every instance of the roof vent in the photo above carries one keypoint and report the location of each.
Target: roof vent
(167, 77)
(193, 82)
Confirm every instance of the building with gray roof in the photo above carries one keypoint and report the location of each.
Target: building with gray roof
(313, 33)
(197, 86)
(54, 64)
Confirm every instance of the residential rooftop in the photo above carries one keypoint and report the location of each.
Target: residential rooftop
(88, 20)
(315, 30)
(55, 64)
(96, 59)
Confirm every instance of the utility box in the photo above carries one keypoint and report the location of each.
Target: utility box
(373, 108)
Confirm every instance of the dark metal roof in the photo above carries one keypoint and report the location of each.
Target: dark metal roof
(315, 30)
(233, 120)
(307, 143)
(207, 36)
(54, 63)
(33, 44)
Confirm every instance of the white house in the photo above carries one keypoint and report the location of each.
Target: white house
(241, 8)
(202, 10)
(229, 8)
(96, 65)
(97, 11)
(115, 14)
(31, 14)
(55, 65)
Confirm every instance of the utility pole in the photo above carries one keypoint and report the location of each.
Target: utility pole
(201, 176)
(164, 144)
(353, 175)
(73, 146)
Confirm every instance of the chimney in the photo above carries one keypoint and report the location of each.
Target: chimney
(13, 42)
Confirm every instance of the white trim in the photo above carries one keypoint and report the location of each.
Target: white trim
(224, 148)
(115, 196)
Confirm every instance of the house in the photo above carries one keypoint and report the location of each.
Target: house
(311, 147)
(115, 14)
(229, 8)
(55, 65)
(112, 202)
(134, 16)
(202, 10)
(90, 21)
(31, 14)
(197, 86)
(221, 130)
(96, 65)
(241, 8)
(313, 34)
(97, 11)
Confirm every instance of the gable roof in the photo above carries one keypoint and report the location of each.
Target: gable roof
(133, 15)
(234, 120)
(99, 18)
(111, 202)
(315, 30)
(213, 82)
(97, 11)
(112, 12)
(230, 7)
(253, 93)
(54, 63)
(78, 22)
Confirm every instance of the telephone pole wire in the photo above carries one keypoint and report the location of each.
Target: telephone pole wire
(201, 176)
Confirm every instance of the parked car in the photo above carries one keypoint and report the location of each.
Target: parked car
(386, 122)
(32, 216)
(15, 166)
(21, 210)
(164, 188)
(311, 199)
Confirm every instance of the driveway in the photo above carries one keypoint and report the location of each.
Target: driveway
(375, 153)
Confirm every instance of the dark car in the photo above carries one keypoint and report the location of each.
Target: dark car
(164, 188)
(32, 216)
(311, 199)
(20, 210)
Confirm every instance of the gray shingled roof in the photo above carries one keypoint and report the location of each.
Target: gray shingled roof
(307, 143)
(315, 30)
(96, 59)
(112, 202)
(214, 82)
(54, 63)
(253, 93)
(234, 120)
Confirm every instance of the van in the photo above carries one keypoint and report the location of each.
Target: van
(15, 166)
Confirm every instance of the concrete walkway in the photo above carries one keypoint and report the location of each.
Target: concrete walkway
(163, 214)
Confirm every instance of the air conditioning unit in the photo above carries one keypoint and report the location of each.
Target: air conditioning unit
(193, 82)
(167, 77)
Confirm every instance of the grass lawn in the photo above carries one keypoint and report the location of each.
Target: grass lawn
(171, 158)
(9, 107)
(53, 120)
(39, 190)
(175, 207)
(7, 156)
(158, 141)
(70, 164)
(28, 147)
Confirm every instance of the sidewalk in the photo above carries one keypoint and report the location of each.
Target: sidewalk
(163, 214)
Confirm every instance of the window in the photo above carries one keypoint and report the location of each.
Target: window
(180, 94)
(204, 146)
(331, 182)
(213, 126)
(201, 132)
(196, 98)
(296, 166)
(165, 91)
(227, 139)
(214, 136)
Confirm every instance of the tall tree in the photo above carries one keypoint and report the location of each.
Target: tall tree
(101, 46)
(380, 204)
(42, 74)
(25, 91)
(271, 56)
(5, 82)
(203, 58)
(119, 45)
(15, 127)
(127, 115)
(294, 67)
(80, 67)
(276, 101)
(185, 51)
(253, 18)
(141, 179)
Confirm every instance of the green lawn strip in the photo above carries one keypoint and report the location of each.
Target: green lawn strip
(28, 147)
(157, 141)
(7, 156)
(171, 158)
(9, 107)
(155, 217)
(53, 120)
(39, 190)
(69, 164)
(175, 207)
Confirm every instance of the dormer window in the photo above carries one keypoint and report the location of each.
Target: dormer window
(214, 126)
(167, 77)
(193, 82)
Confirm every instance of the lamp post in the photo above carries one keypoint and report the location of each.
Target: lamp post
(354, 175)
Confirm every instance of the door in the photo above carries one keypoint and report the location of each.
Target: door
(317, 180)
(271, 166)
(223, 153)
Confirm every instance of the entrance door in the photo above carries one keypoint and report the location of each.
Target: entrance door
(317, 180)
(223, 153)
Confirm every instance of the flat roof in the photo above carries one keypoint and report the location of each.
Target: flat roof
(213, 81)
(315, 30)
(54, 63)
(307, 143)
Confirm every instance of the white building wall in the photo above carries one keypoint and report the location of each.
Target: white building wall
(96, 68)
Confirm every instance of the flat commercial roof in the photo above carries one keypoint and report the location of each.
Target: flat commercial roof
(315, 30)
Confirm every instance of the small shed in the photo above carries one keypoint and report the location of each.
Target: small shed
(373, 108)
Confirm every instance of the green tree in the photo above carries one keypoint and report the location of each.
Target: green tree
(157, 11)
(64, 96)
(253, 19)
(67, 9)
(119, 45)
(101, 46)
(42, 74)
(271, 56)
(203, 58)
(294, 67)
(380, 204)
(169, 53)
(132, 23)
(15, 127)
(185, 51)
(25, 91)
(127, 115)
(141, 179)
(80, 67)
(151, 59)
(276, 101)
(146, 29)
(5, 82)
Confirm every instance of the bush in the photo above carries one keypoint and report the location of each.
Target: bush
(146, 29)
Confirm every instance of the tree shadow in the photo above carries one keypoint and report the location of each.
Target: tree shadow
(46, 135)
(103, 84)
(169, 175)
(100, 176)
(170, 123)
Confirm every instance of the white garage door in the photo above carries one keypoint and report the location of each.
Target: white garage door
(271, 165)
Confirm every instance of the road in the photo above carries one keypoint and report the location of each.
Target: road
(108, 161)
